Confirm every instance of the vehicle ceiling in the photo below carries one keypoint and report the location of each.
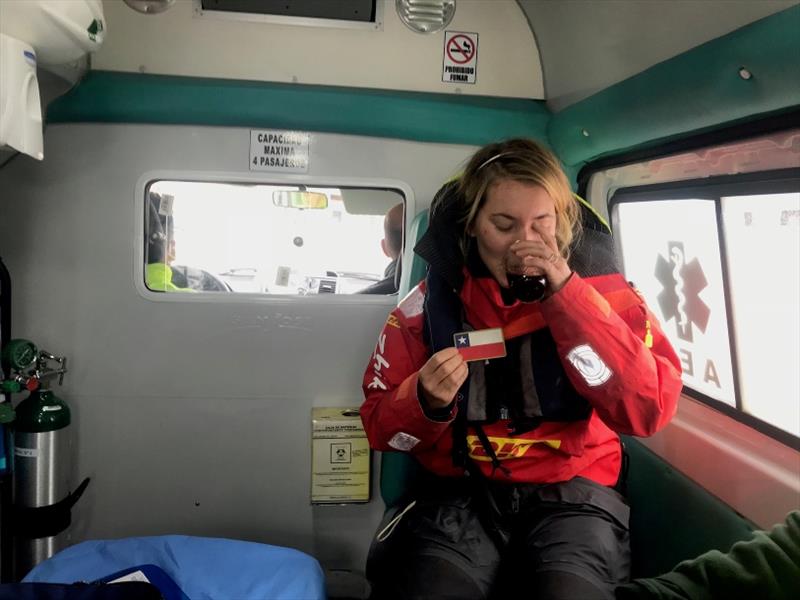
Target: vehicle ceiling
(584, 46)
(611, 40)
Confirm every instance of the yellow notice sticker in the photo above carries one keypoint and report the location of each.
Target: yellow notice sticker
(340, 457)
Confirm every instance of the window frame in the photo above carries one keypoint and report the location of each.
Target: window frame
(714, 189)
(147, 179)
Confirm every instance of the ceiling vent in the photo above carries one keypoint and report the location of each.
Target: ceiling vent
(357, 11)
(426, 16)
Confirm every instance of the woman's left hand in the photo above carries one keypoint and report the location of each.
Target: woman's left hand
(542, 257)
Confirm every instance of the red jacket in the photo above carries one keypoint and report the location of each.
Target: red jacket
(635, 394)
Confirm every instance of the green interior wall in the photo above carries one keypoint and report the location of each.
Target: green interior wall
(111, 97)
(696, 91)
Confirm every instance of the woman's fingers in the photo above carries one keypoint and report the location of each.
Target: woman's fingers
(439, 361)
(445, 370)
(441, 377)
(548, 239)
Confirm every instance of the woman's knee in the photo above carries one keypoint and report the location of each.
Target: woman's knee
(425, 578)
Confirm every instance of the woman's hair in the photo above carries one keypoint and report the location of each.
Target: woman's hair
(525, 161)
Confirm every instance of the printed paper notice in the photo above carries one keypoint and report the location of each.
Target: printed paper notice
(275, 150)
(340, 457)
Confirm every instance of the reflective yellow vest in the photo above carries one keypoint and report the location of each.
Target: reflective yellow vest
(158, 277)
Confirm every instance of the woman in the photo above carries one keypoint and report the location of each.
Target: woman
(520, 453)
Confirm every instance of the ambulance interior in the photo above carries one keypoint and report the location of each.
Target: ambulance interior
(276, 136)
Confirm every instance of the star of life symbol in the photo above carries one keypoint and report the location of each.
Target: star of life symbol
(680, 298)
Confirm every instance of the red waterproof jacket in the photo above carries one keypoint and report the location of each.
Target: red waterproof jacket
(613, 352)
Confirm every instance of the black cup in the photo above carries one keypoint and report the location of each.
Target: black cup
(527, 288)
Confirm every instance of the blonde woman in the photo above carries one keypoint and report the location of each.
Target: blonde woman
(508, 374)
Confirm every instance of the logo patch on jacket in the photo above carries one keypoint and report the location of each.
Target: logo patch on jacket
(413, 303)
(403, 441)
(589, 364)
(505, 448)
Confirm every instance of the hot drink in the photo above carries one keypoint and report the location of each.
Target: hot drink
(527, 288)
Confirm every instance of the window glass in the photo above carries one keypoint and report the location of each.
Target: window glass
(762, 235)
(268, 239)
(670, 250)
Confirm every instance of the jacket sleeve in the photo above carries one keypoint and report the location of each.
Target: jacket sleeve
(392, 414)
(634, 386)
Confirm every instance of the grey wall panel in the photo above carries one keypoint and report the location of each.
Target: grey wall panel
(192, 414)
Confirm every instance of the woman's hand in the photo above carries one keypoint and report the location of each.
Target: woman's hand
(441, 377)
(539, 257)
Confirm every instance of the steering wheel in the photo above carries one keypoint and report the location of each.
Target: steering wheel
(198, 279)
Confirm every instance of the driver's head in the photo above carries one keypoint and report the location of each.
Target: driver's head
(392, 242)
(160, 240)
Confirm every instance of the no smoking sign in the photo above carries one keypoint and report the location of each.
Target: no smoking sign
(460, 63)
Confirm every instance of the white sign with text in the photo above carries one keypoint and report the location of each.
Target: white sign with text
(276, 150)
(460, 62)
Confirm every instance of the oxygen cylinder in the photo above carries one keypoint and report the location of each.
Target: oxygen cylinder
(41, 450)
(42, 458)
(42, 468)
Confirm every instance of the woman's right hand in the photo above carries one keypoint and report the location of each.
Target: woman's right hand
(441, 377)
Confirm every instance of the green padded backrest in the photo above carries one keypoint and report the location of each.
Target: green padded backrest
(673, 518)
(397, 468)
(418, 266)
(398, 471)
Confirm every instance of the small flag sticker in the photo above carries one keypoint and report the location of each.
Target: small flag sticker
(480, 345)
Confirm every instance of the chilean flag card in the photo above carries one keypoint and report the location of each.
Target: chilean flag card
(480, 345)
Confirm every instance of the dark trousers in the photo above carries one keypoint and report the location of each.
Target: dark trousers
(465, 540)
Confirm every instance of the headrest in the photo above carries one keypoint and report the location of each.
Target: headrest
(440, 244)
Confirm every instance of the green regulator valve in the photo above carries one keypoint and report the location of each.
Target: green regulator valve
(26, 366)
(19, 354)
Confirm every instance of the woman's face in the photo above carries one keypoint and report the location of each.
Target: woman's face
(513, 210)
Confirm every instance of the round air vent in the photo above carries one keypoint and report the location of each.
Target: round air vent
(426, 16)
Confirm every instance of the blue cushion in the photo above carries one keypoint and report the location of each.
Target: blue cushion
(203, 568)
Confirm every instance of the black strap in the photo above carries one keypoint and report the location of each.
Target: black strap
(531, 407)
(487, 446)
(46, 521)
(488, 511)
(476, 402)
